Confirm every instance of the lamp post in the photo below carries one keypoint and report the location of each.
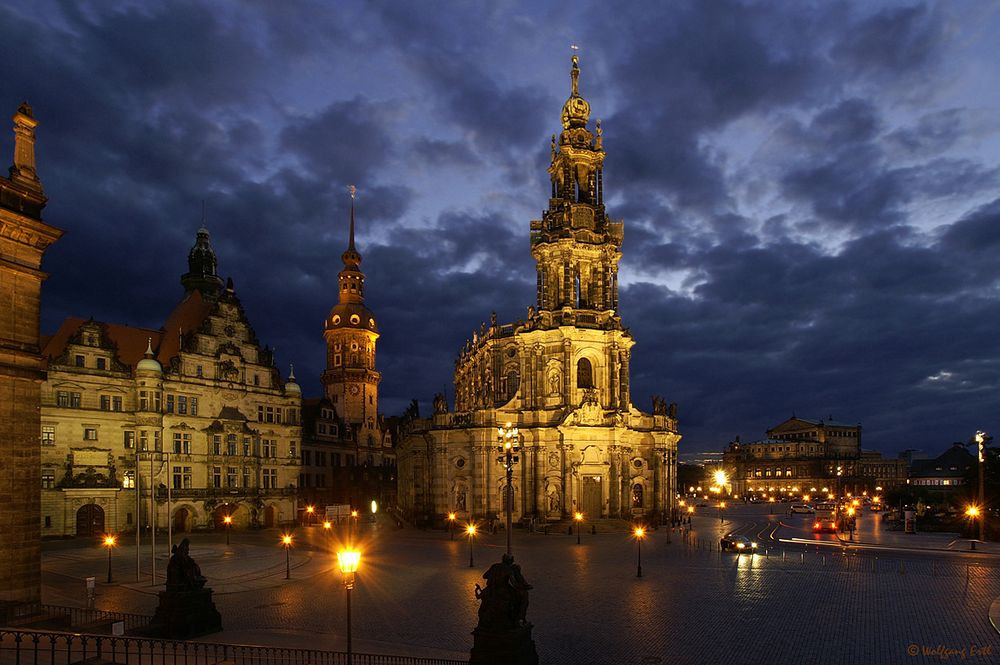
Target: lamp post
(354, 525)
(309, 514)
(451, 526)
(639, 533)
(348, 561)
(722, 511)
(286, 540)
(578, 517)
(981, 439)
(509, 442)
(973, 513)
(109, 542)
(228, 520)
(471, 532)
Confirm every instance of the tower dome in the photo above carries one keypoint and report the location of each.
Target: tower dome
(148, 362)
(576, 110)
(291, 387)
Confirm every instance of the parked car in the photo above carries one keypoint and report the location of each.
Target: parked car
(737, 544)
(802, 508)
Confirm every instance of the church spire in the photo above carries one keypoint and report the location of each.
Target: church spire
(351, 257)
(23, 171)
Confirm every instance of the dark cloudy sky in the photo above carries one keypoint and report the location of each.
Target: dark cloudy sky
(811, 190)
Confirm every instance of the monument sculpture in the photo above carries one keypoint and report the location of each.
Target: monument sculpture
(503, 634)
(186, 608)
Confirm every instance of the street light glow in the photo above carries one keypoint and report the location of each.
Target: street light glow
(639, 532)
(286, 540)
(471, 529)
(578, 516)
(109, 541)
(972, 511)
(720, 477)
(348, 560)
(327, 525)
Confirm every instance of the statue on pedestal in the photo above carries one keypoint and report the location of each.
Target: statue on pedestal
(503, 634)
(186, 608)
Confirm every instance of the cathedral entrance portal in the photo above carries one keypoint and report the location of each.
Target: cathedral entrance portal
(592, 498)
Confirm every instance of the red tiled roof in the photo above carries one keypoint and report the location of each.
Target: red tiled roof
(131, 342)
(187, 316)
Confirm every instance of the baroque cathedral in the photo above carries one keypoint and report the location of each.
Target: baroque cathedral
(561, 376)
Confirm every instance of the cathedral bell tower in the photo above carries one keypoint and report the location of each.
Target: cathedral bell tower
(575, 245)
(350, 381)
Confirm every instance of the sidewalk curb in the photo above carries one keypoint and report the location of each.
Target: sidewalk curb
(995, 614)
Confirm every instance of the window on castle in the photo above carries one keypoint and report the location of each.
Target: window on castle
(270, 479)
(116, 403)
(48, 435)
(62, 398)
(48, 479)
(584, 374)
(199, 371)
(216, 476)
(247, 448)
(128, 439)
(128, 482)
(105, 402)
(90, 433)
(337, 360)
(230, 444)
(194, 406)
(230, 476)
(182, 443)
(75, 400)
(170, 403)
(182, 404)
(80, 361)
(216, 444)
(102, 363)
(246, 476)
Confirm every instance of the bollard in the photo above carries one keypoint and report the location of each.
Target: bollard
(824, 559)
(782, 555)
(802, 557)
(767, 553)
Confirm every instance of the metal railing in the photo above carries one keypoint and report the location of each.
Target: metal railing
(76, 617)
(31, 647)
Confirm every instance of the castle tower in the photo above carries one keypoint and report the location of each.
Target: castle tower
(350, 380)
(24, 237)
(201, 274)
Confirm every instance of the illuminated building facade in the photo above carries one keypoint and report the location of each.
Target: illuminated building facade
(561, 376)
(196, 406)
(808, 457)
(24, 237)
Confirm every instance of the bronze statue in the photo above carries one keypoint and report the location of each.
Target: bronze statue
(504, 601)
(183, 574)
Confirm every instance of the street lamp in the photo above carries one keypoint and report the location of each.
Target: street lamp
(471, 532)
(981, 439)
(354, 524)
(109, 542)
(639, 533)
(578, 517)
(228, 520)
(721, 480)
(348, 561)
(309, 513)
(286, 540)
(451, 526)
(973, 513)
(722, 511)
(509, 441)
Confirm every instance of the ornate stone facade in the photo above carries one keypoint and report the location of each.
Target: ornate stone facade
(24, 237)
(561, 375)
(196, 406)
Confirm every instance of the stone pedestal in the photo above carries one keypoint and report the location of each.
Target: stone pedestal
(184, 614)
(512, 646)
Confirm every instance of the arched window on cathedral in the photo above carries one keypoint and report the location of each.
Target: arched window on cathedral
(637, 495)
(513, 381)
(584, 374)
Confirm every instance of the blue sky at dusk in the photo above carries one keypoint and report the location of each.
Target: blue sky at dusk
(810, 190)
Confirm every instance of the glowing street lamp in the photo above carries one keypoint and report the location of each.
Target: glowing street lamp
(578, 518)
(286, 540)
(228, 521)
(109, 541)
(471, 532)
(354, 524)
(721, 480)
(348, 560)
(309, 514)
(722, 510)
(451, 526)
(509, 441)
(639, 533)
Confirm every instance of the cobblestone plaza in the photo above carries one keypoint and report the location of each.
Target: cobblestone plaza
(414, 595)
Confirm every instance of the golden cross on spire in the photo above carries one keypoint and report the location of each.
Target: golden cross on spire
(353, 190)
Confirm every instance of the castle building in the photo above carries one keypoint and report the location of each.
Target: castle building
(802, 456)
(180, 426)
(561, 376)
(347, 454)
(24, 237)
